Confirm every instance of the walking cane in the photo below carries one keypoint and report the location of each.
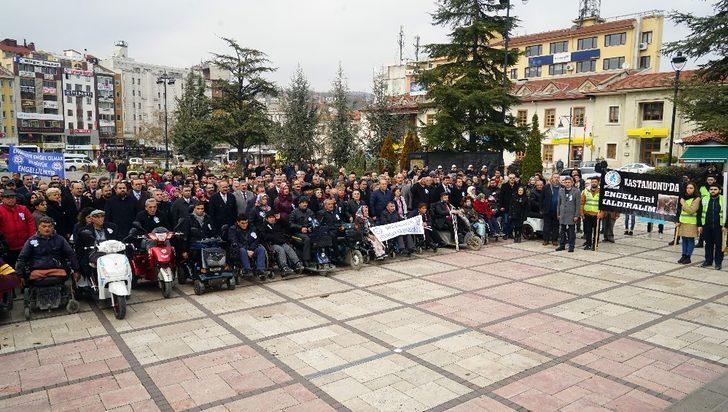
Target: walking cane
(595, 235)
(596, 240)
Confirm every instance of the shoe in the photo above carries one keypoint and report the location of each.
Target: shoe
(546, 243)
(286, 271)
(571, 250)
(671, 243)
(560, 248)
(700, 245)
(299, 266)
(626, 232)
(555, 243)
(682, 259)
(687, 260)
(261, 277)
(718, 267)
(661, 235)
(631, 233)
(706, 264)
(609, 240)
(587, 247)
(270, 275)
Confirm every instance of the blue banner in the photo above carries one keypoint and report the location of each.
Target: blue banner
(42, 164)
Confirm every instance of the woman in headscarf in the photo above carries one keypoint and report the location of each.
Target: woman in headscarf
(363, 223)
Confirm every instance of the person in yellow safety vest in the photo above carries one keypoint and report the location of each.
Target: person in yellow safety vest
(711, 227)
(589, 211)
(687, 226)
(709, 180)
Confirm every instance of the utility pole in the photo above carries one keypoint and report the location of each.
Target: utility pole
(400, 43)
(417, 48)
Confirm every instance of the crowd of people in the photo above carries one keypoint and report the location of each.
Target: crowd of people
(277, 206)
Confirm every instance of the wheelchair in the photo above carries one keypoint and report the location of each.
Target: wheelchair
(48, 292)
(350, 247)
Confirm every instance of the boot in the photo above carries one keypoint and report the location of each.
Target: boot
(682, 259)
(687, 260)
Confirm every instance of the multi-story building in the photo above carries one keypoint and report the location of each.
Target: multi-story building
(7, 106)
(105, 107)
(593, 45)
(211, 73)
(39, 101)
(142, 97)
(79, 105)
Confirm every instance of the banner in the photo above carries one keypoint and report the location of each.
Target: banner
(43, 164)
(411, 226)
(650, 196)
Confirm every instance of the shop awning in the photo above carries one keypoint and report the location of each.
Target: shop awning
(705, 154)
(575, 141)
(648, 132)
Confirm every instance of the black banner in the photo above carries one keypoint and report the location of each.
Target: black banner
(656, 197)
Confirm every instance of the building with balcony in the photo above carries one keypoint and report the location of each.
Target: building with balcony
(79, 104)
(7, 105)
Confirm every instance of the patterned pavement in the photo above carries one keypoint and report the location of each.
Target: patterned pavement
(510, 327)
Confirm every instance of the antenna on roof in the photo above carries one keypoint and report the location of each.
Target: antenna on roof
(400, 43)
(588, 9)
(417, 48)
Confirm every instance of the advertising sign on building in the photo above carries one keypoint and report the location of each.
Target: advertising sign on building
(80, 93)
(562, 57)
(651, 196)
(25, 73)
(34, 62)
(417, 89)
(77, 72)
(48, 104)
(80, 131)
(38, 116)
(49, 90)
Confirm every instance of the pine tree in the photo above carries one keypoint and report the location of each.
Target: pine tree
(387, 156)
(467, 90)
(532, 160)
(297, 138)
(240, 116)
(411, 145)
(382, 120)
(190, 134)
(341, 133)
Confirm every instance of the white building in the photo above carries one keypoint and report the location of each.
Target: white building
(143, 97)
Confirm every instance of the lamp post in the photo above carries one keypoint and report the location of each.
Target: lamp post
(677, 63)
(568, 150)
(164, 80)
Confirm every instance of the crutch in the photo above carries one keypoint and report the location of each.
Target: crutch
(455, 229)
(677, 231)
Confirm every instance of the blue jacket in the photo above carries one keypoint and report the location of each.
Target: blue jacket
(240, 238)
(46, 253)
(378, 201)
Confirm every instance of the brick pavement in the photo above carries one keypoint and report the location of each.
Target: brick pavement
(510, 327)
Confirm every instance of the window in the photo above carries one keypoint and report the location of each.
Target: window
(611, 150)
(549, 118)
(613, 114)
(616, 39)
(70, 112)
(548, 153)
(644, 62)
(586, 44)
(652, 111)
(89, 126)
(69, 99)
(88, 100)
(586, 66)
(613, 63)
(522, 117)
(559, 47)
(536, 50)
(88, 88)
(140, 105)
(139, 81)
(532, 71)
(577, 116)
(558, 68)
(88, 114)
(646, 37)
(514, 73)
(70, 125)
(133, 92)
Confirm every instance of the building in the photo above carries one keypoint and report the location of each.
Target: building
(211, 73)
(7, 105)
(592, 45)
(39, 102)
(79, 105)
(106, 108)
(142, 97)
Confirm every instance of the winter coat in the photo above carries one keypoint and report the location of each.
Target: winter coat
(221, 212)
(378, 201)
(569, 204)
(518, 210)
(283, 205)
(300, 218)
(149, 222)
(240, 238)
(46, 253)
(17, 225)
(274, 234)
(120, 212)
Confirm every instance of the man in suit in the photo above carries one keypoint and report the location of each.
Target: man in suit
(243, 196)
(72, 203)
(181, 207)
(26, 189)
(420, 191)
(139, 194)
(120, 209)
(444, 187)
(223, 208)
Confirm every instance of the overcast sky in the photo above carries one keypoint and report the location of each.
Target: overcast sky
(318, 34)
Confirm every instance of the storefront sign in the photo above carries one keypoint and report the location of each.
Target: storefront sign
(24, 73)
(79, 93)
(651, 196)
(50, 90)
(80, 131)
(27, 89)
(76, 72)
(47, 104)
(41, 129)
(47, 76)
(562, 57)
(44, 164)
(34, 62)
(648, 132)
(38, 116)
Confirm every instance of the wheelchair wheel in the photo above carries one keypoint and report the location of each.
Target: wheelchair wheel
(355, 258)
(72, 306)
(230, 283)
(527, 232)
(473, 242)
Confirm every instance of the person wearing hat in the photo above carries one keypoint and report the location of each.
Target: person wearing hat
(101, 229)
(274, 234)
(16, 224)
(300, 224)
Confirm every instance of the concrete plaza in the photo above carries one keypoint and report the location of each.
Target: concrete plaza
(512, 326)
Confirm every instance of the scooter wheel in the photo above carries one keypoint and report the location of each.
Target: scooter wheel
(119, 306)
(166, 289)
(199, 287)
(72, 306)
(26, 313)
(230, 284)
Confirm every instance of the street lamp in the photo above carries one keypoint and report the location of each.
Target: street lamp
(677, 63)
(561, 124)
(165, 79)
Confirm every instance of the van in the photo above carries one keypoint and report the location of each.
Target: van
(76, 156)
(74, 163)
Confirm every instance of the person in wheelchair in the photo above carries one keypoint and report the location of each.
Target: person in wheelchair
(404, 242)
(432, 238)
(274, 233)
(330, 219)
(46, 254)
(300, 222)
(195, 227)
(473, 217)
(244, 240)
(362, 222)
(95, 232)
(442, 217)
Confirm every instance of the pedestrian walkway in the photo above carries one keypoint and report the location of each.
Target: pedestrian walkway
(509, 327)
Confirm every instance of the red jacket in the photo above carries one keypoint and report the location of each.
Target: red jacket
(17, 225)
(483, 208)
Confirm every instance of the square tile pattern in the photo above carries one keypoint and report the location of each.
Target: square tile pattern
(511, 326)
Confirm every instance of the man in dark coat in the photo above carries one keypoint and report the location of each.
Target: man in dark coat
(223, 208)
(120, 209)
(150, 218)
(181, 207)
(72, 202)
(420, 191)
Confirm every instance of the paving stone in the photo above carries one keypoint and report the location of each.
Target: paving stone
(404, 326)
(272, 320)
(413, 290)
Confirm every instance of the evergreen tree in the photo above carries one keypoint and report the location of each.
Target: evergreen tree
(240, 116)
(382, 121)
(387, 156)
(467, 90)
(297, 138)
(341, 133)
(190, 134)
(411, 145)
(704, 98)
(532, 160)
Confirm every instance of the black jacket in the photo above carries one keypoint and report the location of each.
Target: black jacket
(121, 212)
(149, 223)
(111, 231)
(223, 213)
(193, 231)
(68, 203)
(240, 238)
(535, 203)
(441, 216)
(180, 209)
(300, 218)
(46, 253)
(518, 210)
(420, 194)
(64, 223)
(273, 234)
(457, 195)
(386, 218)
(331, 221)
(506, 195)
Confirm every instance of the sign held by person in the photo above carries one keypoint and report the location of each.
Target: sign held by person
(41, 163)
(411, 226)
(651, 196)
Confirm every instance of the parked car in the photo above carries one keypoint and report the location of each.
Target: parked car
(75, 163)
(636, 168)
(586, 173)
(135, 161)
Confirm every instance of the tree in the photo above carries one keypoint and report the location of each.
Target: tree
(387, 156)
(191, 134)
(532, 160)
(239, 115)
(151, 133)
(468, 89)
(341, 133)
(382, 121)
(704, 97)
(297, 136)
(411, 145)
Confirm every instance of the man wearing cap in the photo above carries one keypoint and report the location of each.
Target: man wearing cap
(300, 221)
(16, 224)
(101, 229)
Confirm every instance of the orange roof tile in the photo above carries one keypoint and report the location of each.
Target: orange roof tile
(648, 81)
(570, 32)
(564, 88)
(703, 137)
